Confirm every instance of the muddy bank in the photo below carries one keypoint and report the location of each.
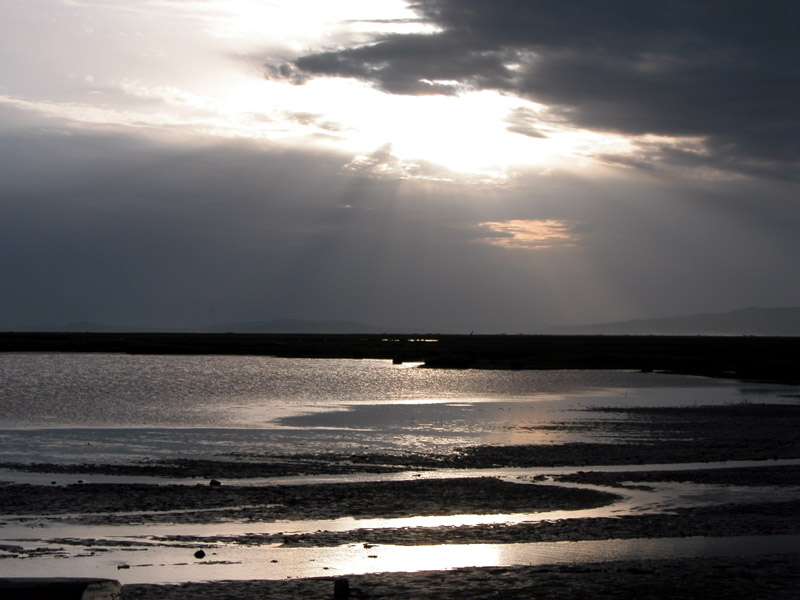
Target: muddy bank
(776, 577)
(773, 518)
(239, 466)
(787, 475)
(719, 448)
(322, 501)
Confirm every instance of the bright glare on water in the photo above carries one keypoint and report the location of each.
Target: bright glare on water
(113, 390)
(100, 406)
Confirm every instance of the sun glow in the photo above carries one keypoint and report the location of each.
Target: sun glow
(209, 69)
(401, 135)
(530, 234)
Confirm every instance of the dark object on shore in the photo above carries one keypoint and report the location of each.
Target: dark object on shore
(341, 589)
(199, 554)
(214, 483)
(59, 588)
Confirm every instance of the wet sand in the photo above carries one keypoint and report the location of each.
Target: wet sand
(295, 502)
(774, 577)
(758, 432)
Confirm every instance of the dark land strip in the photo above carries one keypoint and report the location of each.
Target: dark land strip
(268, 503)
(775, 359)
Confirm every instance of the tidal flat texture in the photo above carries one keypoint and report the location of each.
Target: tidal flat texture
(321, 501)
(605, 492)
(767, 577)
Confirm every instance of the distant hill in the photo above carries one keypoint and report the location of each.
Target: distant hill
(745, 321)
(273, 326)
(90, 327)
(294, 326)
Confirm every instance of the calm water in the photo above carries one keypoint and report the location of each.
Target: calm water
(76, 407)
(97, 408)
(164, 564)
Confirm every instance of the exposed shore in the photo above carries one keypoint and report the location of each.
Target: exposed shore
(678, 435)
(766, 577)
(386, 499)
(720, 577)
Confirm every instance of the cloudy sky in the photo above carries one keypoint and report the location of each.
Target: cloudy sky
(447, 165)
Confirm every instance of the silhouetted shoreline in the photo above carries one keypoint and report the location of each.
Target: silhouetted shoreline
(773, 359)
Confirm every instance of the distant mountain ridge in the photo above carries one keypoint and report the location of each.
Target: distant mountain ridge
(271, 326)
(294, 326)
(745, 321)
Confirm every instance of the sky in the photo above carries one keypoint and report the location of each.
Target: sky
(440, 165)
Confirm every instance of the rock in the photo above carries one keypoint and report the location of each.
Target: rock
(214, 483)
(199, 554)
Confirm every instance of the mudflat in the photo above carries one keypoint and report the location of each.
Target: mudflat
(766, 577)
(655, 436)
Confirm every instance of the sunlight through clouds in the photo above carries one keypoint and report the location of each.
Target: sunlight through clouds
(433, 164)
(219, 69)
(530, 234)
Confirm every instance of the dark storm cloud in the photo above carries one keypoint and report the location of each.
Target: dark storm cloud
(395, 64)
(727, 71)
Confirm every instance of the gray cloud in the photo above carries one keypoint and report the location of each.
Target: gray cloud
(394, 63)
(722, 70)
(130, 230)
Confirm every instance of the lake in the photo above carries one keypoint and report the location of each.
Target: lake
(110, 407)
(117, 408)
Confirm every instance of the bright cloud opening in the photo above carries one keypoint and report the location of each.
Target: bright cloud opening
(202, 68)
(530, 234)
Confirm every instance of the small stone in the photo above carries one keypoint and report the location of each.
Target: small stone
(199, 554)
(214, 483)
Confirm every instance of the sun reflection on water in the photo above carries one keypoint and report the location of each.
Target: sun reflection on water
(362, 558)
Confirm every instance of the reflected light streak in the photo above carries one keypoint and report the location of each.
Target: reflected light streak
(420, 558)
(170, 565)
